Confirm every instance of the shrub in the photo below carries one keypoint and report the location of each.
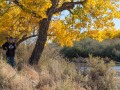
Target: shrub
(107, 48)
(101, 76)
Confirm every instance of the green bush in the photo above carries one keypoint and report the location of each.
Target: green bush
(107, 48)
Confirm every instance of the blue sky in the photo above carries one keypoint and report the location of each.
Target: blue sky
(117, 23)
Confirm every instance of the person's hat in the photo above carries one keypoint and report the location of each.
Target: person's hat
(11, 38)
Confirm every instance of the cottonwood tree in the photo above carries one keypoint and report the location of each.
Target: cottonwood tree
(36, 17)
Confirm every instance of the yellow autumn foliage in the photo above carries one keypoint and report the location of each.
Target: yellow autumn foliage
(95, 17)
(62, 34)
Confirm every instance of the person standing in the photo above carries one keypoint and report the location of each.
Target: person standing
(10, 48)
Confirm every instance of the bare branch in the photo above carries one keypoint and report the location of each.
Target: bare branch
(33, 13)
(25, 38)
(68, 6)
(28, 37)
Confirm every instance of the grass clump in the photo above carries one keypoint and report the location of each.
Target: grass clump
(101, 76)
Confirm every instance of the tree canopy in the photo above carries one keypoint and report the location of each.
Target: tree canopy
(21, 19)
(24, 19)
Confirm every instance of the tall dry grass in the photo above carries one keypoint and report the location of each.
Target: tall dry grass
(52, 73)
(101, 76)
(55, 73)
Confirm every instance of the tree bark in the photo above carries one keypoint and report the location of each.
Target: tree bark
(40, 43)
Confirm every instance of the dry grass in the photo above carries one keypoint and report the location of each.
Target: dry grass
(101, 76)
(55, 73)
(52, 73)
(10, 79)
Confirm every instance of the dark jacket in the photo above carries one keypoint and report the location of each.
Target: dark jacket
(10, 49)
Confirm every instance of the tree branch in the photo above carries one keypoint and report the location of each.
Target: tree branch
(54, 2)
(25, 38)
(34, 14)
(3, 13)
(68, 6)
(52, 8)
(28, 37)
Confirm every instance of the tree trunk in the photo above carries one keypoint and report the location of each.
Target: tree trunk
(44, 26)
(40, 43)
